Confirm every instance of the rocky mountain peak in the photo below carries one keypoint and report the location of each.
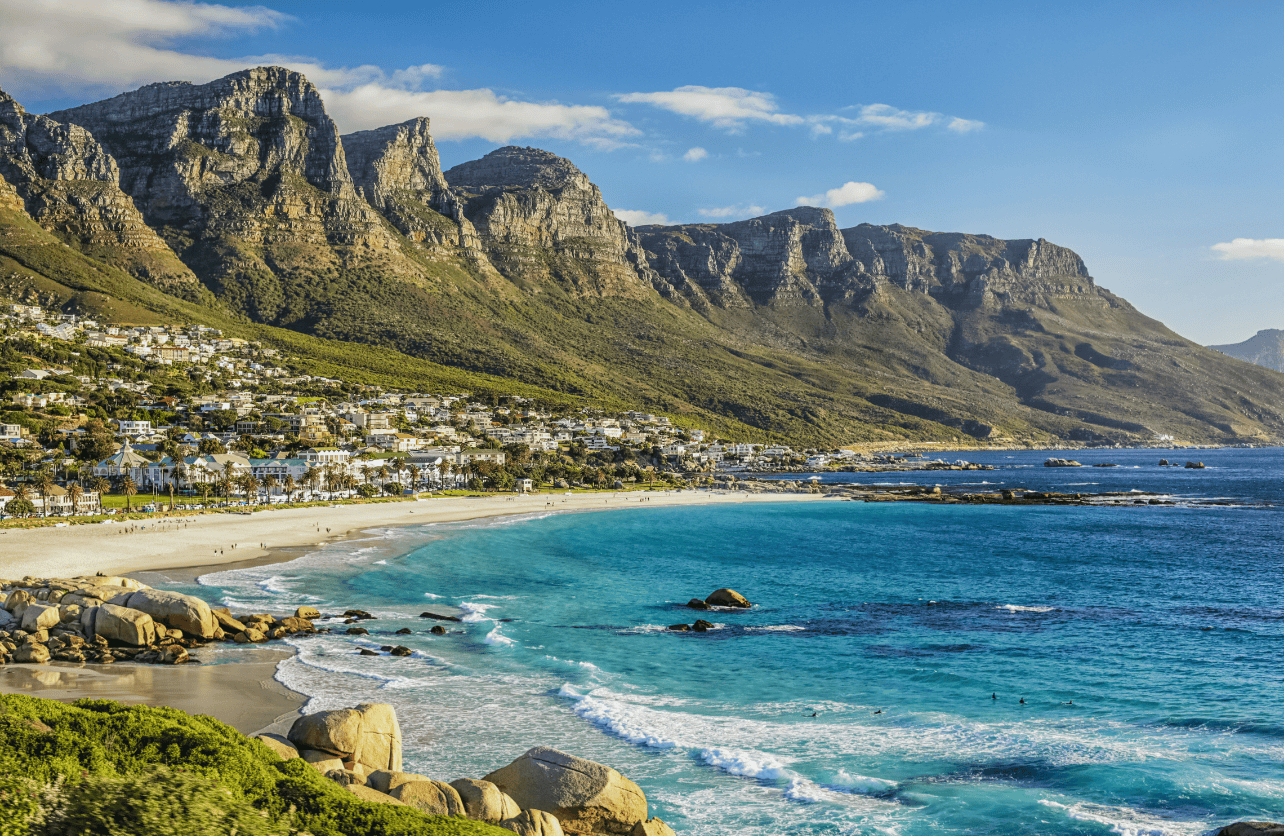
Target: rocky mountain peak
(70, 185)
(394, 157)
(520, 168)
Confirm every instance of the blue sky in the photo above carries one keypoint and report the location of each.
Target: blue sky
(1145, 136)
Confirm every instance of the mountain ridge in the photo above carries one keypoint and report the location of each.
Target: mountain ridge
(514, 265)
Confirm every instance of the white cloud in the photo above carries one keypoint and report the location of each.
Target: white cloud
(846, 194)
(885, 118)
(737, 211)
(893, 119)
(73, 48)
(1245, 248)
(723, 107)
(695, 155)
(637, 217)
(964, 126)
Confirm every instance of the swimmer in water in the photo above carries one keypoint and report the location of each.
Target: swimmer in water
(1022, 701)
(994, 696)
(813, 714)
(879, 711)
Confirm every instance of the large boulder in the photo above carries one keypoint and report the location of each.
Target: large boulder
(323, 761)
(533, 823)
(1252, 828)
(727, 598)
(279, 745)
(228, 624)
(433, 797)
(186, 612)
(40, 617)
(119, 624)
(586, 797)
(16, 602)
(367, 794)
(483, 801)
(368, 734)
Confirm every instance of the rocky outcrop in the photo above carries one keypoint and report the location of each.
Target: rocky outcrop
(246, 176)
(484, 801)
(533, 823)
(540, 219)
(368, 735)
(586, 797)
(184, 612)
(727, 598)
(70, 185)
(1252, 828)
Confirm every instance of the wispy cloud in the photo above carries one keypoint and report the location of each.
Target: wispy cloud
(73, 48)
(729, 108)
(638, 217)
(1251, 248)
(845, 195)
(695, 155)
(740, 210)
(883, 118)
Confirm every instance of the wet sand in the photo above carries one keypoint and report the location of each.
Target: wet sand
(239, 691)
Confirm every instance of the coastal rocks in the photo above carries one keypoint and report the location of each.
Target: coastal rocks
(652, 827)
(400, 650)
(368, 735)
(279, 745)
(31, 653)
(186, 612)
(357, 631)
(1194, 465)
(586, 797)
(40, 617)
(533, 823)
(324, 762)
(438, 617)
(727, 598)
(701, 626)
(438, 630)
(249, 636)
(119, 624)
(680, 628)
(1252, 828)
(227, 623)
(433, 797)
(309, 613)
(483, 801)
(1061, 463)
(367, 794)
(697, 604)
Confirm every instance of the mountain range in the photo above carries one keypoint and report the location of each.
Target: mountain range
(238, 202)
(1265, 348)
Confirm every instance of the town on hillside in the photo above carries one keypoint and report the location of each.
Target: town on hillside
(98, 419)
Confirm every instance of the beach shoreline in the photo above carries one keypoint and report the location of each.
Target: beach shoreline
(244, 692)
(213, 540)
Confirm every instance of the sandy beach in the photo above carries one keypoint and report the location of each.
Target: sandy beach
(241, 690)
(213, 539)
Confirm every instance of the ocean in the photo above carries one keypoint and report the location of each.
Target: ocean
(905, 669)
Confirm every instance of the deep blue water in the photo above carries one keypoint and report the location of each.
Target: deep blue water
(1147, 643)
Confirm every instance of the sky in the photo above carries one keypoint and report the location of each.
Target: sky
(1146, 136)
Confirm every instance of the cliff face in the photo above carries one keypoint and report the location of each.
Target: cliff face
(539, 219)
(398, 170)
(246, 178)
(71, 186)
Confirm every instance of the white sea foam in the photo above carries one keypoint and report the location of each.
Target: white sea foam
(475, 612)
(430, 595)
(1126, 821)
(861, 783)
(745, 762)
(778, 628)
(498, 639)
(381, 563)
(1020, 608)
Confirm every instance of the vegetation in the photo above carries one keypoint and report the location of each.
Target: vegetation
(98, 767)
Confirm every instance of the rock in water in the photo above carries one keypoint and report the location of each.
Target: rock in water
(533, 823)
(484, 801)
(1252, 828)
(727, 598)
(586, 797)
(697, 604)
(702, 626)
(310, 613)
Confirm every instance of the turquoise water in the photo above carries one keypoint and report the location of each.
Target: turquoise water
(1146, 643)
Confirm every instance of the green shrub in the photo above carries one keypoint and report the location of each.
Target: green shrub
(19, 800)
(162, 802)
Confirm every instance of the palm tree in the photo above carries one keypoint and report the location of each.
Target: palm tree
(250, 485)
(270, 482)
(290, 486)
(312, 475)
(43, 483)
(204, 489)
(100, 486)
(74, 493)
(128, 487)
(383, 474)
(414, 477)
(443, 468)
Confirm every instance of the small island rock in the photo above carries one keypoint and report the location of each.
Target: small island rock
(727, 598)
